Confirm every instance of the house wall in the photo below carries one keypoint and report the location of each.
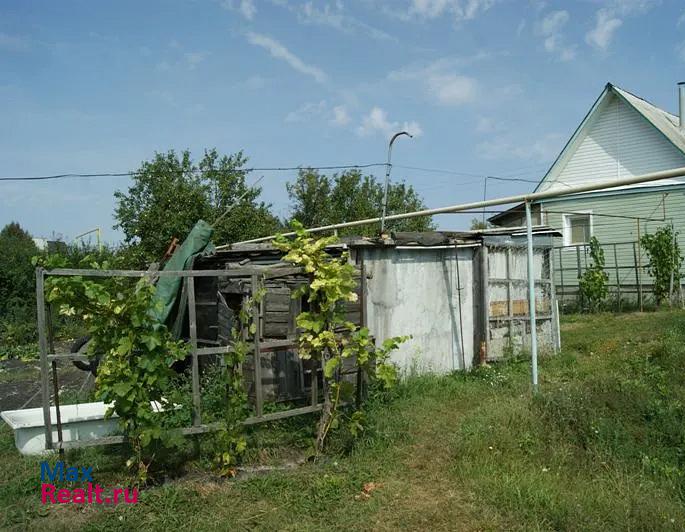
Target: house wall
(655, 206)
(414, 292)
(618, 143)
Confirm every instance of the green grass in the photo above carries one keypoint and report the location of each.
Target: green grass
(601, 447)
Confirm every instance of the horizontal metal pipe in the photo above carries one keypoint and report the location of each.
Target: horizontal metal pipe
(655, 176)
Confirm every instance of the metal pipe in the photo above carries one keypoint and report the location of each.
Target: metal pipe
(681, 106)
(531, 302)
(655, 176)
(388, 166)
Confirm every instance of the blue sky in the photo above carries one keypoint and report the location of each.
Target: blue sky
(488, 87)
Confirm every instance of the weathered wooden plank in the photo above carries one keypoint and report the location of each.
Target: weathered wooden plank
(192, 326)
(257, 307)
(283, 414)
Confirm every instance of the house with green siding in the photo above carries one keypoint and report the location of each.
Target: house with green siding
(621, 136)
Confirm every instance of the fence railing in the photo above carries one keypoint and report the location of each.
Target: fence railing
(630, 284)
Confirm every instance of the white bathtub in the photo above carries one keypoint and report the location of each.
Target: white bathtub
(79, 423)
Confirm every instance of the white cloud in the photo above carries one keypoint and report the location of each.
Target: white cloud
(543, 149)
(340, 116)
(551, 29)
(609, 19)
(254, 83)
(681, 20)
(333, 15)
(459, 9)
(12, 43)
(606, 25)
(376, 122)
(487, 124)
(337, 116)
(441, 81)
(307, 111)
(452, 89)
(192, 59)
(246, 8)
(278, 51)
(680, 50)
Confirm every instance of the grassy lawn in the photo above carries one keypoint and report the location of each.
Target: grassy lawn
(601, 447)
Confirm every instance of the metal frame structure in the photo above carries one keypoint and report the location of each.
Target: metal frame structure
(49, 358)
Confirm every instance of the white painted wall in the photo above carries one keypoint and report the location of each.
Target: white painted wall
(618, 143)
(414, 292)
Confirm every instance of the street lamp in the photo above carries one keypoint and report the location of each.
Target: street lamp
(388, 165)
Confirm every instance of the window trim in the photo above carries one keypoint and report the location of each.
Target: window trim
(566, 223)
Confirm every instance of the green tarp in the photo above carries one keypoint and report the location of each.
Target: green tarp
(197, 243)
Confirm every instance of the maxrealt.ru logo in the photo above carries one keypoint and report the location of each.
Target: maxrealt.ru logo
(90, 493)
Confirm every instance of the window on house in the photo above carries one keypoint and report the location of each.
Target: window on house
(577, 228)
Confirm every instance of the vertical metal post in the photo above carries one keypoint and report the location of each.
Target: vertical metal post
(562, 292)
(484, 304)
(639, 268)
(618, 278)
(579, 294)
(192, 326)
(554, 307)
(43, 345)
(670, 285)
(637, 275)
(531, 301)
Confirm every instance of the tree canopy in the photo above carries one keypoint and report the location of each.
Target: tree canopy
(317, 199)
(17, 286)
(171, 192)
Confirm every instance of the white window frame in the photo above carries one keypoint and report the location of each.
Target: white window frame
(566, 222)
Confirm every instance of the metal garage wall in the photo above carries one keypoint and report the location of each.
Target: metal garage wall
(416, 291)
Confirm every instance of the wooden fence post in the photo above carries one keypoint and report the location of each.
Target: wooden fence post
(257, 321)
(192, 326)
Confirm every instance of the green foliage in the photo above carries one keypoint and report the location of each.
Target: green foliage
(593, 283)
(17, 278)
(478, 224)
(326, 336)
(171, 193)
(229, 442)
(317, 199)
(665, 260)
(137, 353)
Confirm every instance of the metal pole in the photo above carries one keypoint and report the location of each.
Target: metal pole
(531, 301)
(388, 166)
(670, 285)
(44, 365)
(485, 196)
(461, 207)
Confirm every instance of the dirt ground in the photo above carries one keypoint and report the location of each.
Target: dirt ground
(20, 383)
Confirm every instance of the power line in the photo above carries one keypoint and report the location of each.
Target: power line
(465, 174)
(244, 170)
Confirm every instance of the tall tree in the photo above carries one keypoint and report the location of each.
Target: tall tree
(17, 285)
(170, 193)
(317, 199)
